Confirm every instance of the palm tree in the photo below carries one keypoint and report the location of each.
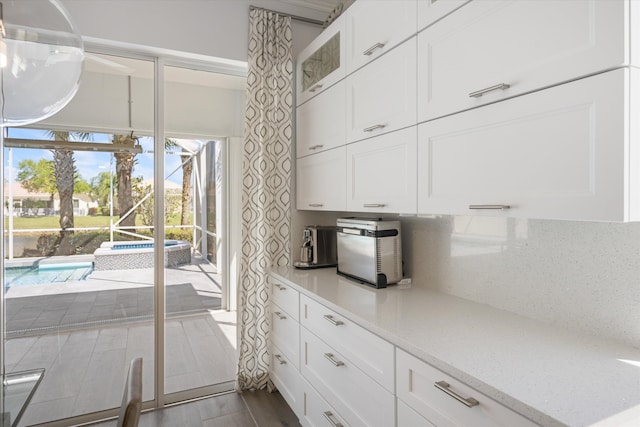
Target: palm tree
(125, 162)
(187, 168)
(64, 173)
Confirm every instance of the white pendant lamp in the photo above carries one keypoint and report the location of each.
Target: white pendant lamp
(41, 56)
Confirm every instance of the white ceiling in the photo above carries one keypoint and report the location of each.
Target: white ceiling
(321, 5)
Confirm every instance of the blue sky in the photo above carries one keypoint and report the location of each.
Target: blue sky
(90, 163)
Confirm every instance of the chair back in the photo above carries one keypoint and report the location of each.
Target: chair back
(132, 397)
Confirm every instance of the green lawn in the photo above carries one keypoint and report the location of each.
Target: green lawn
(20, 223)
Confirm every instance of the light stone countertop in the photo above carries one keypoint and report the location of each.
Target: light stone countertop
(553, 376)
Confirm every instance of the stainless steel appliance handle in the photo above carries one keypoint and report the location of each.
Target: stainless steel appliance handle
(490, 207)
(479, 93)
(315, 88)
(469, 402)
(333, 321)
(332, 419)
(374, 205)
(373, 48)
(280, 315)
(374, 127)
(280, 359)
(331, 358)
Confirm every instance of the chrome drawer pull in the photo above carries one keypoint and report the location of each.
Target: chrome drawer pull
(332, 419)
(373, 48)
(279, 286)
(315, 88)
(374, 205)
(316, 205)
(332, 320)
(479, 93)
(280, 359)
(469, 402)
(331, 358)
(374, 127)
(491, 207)
(280, 315)
(315, 147)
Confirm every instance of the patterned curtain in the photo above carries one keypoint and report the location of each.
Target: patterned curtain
(266, 184)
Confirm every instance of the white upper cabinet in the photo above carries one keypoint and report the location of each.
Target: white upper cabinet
(321, 181)
(430, 11)
(493, 49)
(375, 27)
(569, 152)
(321, 64)
(381, 97)
(321, 123)
(381, 173)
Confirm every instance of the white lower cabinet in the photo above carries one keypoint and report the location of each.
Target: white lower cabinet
(285, 334)
(316, 411)
(407, 417)
(444, 401)
(355, 395)
(568, 152)
(286, 377)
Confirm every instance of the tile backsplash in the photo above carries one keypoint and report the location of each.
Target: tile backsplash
(578, 275)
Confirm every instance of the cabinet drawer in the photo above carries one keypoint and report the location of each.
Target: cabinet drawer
(322, 63)
(287, 379)
(357, 397)
(316, 411)
(430, 11)
(417, 387)
(321, 181)
(559, 153)
(407, 417)
(466, 61)
(382, 173)
(375, 27)
(381, 97)
(370, 353)
(285, 297)
(285, 334)
(320, 123)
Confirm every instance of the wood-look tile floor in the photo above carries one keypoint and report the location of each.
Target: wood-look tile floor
(249, 409)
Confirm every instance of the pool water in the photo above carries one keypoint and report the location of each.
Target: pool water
(48, 273)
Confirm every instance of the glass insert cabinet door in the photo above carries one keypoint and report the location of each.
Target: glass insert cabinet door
(321, 63)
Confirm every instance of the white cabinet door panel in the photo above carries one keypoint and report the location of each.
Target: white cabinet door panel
(553, 154)
(285, 334)
(285, 297)
(381, 173)
(417, 387)
(288, 380)
(407, 417)
(375, 27)
(321, 181)
(321, 123)
(513, 47)
(316, 411)
(381, 97)
(358, 398)
(430, 11)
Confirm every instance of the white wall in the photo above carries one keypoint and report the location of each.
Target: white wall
(217, 28)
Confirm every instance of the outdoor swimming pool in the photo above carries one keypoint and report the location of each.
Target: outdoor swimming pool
(46, 273)
(124, 255)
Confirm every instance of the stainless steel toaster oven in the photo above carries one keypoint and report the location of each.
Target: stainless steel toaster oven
(370, 250)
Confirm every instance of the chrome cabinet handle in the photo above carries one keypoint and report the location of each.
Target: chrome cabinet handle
(280, 359)
(469, 402)
(316, 205)
(374, 127)
(332, 419)
(490, 207)
(279, 286)
(479, 93)
(331, 358)
(315, 88)
(333, 321)
(315, 147)
(373, 205)
(373, 48)
(280, 315)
